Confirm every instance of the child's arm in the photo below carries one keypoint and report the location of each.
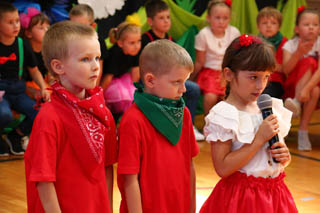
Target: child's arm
(48, 197)
(281, 154)
(290, 60)
(37, 77)
(198, 64)
(135, 74)
(109, 179)
(132, 193)
(193, 188)
(227, 162)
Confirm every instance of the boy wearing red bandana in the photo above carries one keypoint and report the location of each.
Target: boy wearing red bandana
(156, 139)
(72, 148)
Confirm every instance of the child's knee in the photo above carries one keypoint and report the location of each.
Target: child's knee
(315, 92)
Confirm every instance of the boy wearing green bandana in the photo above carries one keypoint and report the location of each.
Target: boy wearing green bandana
(269, 22)
(156, 139)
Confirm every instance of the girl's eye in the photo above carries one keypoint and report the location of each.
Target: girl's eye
(85, 59)
(253, 77)
(97, 58)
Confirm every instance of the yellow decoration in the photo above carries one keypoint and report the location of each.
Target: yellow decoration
(133, 19)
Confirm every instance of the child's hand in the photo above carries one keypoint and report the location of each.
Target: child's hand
(268, 128)
(303, 95)
(304, 46)
(45, 95)
(281, 154)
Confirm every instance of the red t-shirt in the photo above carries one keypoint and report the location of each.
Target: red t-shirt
(279, 76)
(164, 169)
(51, 157)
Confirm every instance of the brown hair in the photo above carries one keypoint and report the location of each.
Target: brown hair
(307, 10)
(155, 6)
(82, 10)
(214, 3)
(161, 56)
(270, 12)
(258, 56)
(55, 42)
(119, 32)
(6, 7)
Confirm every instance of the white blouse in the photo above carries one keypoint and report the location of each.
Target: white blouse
(292, 45)
(214, 47)
(225, 122)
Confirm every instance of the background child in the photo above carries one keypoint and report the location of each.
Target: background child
(239, 136)
(158, 18)
(84, 14)
(121, 67)
(300, 62)
(156, 141)
(73, 143)
(34, 25)
(11, 79)
(210, 44)
(269, 22)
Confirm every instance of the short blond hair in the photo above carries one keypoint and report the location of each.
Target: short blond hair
(161, 56)
(82, 10)
(270, 12)
(55, 42)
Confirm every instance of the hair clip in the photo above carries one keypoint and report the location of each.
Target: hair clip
(133, 19)
(228, 2)
(301, 9)
(25, 18)
(246, 40)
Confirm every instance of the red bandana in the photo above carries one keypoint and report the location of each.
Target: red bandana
(91, 115)
(11, 57)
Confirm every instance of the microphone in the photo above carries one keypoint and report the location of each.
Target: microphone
(265, 104)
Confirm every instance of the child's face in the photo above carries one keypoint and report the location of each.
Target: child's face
(80, 69)
(131, 43)
(268, 26)
(161, 22)
(219, 19)
(9, 24)
(170, 85)
(247, 86)
(308, 27)
(38, 31)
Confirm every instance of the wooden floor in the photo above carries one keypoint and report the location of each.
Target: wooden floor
(302, 175)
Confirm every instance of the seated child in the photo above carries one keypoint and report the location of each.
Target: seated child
(34, 25)
(269, 22)
(73, 142)
(156, 141)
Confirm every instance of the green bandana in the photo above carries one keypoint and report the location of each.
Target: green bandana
(274, 40)
(165, 115)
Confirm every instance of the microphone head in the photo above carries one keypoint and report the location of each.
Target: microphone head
(264, 101)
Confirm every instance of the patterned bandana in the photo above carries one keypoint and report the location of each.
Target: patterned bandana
(274, 40)
(90, 113)
(166, 115)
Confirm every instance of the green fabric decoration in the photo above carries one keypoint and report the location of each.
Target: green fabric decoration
(187, 41)
(289, 14)
(274, 40)
(166, 115)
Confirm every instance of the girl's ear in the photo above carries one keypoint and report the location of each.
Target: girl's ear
(120, 43)
(228, 74)
(149, 80)
(57, 66)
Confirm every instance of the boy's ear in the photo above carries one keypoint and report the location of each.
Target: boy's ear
(57, 66)
(120, 43)
(149, 21)
(228, 74)
(149, 80)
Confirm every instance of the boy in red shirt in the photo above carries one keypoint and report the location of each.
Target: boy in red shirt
(73, 143)
(156, 139)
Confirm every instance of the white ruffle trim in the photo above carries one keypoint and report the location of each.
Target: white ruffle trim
(225, 122)
(104, 8)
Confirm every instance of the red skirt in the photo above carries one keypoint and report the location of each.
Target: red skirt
(241, 193)
(295, 75)
(210, 81)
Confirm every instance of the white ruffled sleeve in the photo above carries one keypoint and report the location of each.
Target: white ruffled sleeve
(225, 122)
(283, 115)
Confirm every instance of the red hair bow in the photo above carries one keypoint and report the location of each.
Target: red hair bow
(228, 2)
(301, 8)
(245, 40)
